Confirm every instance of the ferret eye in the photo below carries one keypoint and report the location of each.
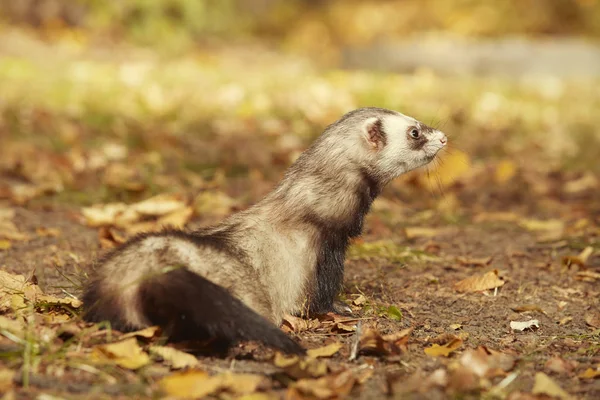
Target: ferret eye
(414, 133)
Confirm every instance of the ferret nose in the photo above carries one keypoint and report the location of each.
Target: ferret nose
(443, 140)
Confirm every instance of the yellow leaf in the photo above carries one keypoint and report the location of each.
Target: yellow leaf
(177, 219)
(189, 384)
(479, 283)
(197, 384)
(147, 333)
(325, 351)
(160, 205)
(175, 358)
(15, 291)
(590, 373)
(417, 232)
(105, 214)
(338, 386)
(436, 350)
(505, 171)
(5, 244)
(299, 368)
(52, 301)
(545, 385)
(454, 166)
(542, 225)
(127, 354)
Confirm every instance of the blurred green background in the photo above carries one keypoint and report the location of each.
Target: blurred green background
(199, 89)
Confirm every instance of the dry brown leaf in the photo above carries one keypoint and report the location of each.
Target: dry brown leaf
(588, 276)
(543, 384)
(528, 307)
(108, 214)
(478, 262)
(421, 232)
(11, 325)
(213, 203)
(177, 219)
(580, 259)
(127, 354)
(372, 342)
(7, 377)
(477, 283)
(295, 324)
(587, 182)
(325, 351)
(55, 301)
(590, 373)
(359, 300)
(436, 350)
(159, 205)
(560, 366)
(593, 320)
(542, 225)
(331, 386)
(565, 320)
(148, 333)
(496, 217)
(16, 291)
(524, 325)
(177, 359)
(300, 368)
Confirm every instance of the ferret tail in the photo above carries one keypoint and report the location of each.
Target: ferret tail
(189, 307)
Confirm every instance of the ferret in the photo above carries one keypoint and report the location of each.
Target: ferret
(235, 281)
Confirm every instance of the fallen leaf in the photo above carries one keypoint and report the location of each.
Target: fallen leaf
(559, 365)
(127, 354)
(542, 225)
(593, 320)
(565, 320)
(477, 283)
(48, 232)
(588, 276)
(11, 325)
(177, 359)
(189, 384)
(108, 214)
(527, 307)
(392, 312)
(325, 351)
(455, 166)
(479, 262)
(436, 350)
(5, 244)
(580, 259)
(360, 300)
(148, 333)
(421, 232)
(7, 377)
(505, 171)
(543, 384)
(456, 327)
(331, 386)
(590, 373)
(213, 203)
(16, 291)
(300, 368)
(159, 205)
(587, 182)
(523, 325)
(372, 342)
(496, 217)
(48, 300)
(295, 324)
(177, 219)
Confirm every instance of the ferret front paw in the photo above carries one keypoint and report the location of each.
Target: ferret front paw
(341, 308)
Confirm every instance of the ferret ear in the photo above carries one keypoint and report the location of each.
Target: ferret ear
(374, 133)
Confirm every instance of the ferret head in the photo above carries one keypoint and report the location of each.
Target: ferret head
(392, 143)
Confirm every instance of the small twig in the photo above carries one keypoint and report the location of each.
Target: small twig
(354, 351)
